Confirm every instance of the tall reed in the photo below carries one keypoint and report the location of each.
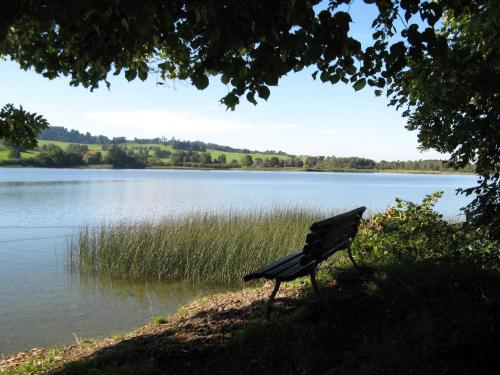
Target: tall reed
(201, 247)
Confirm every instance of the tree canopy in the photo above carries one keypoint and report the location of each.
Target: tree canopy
(437, 59)
(250, 45)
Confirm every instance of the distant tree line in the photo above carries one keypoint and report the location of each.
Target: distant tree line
(76, 155)
(120, 153)
(333, 163)
(421, 165)
(60, 133)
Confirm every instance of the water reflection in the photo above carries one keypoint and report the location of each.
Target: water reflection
(168, 294)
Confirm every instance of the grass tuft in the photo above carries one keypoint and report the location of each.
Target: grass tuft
(201, 247)
(159, 319)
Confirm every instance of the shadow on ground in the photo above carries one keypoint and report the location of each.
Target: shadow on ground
(418, 319)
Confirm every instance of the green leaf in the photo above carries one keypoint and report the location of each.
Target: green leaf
(131, 74)
(360, 83)
(334, 79)
(271, 79)
(143, 75)
(251, 97)
(143, 71)
(230, 100)
(351, 69)
(263, 92)
(200, 81)
(225, 79)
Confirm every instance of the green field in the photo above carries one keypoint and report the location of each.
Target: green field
(64, 145)
(4, 152)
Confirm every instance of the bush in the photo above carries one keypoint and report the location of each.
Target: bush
(411, 231)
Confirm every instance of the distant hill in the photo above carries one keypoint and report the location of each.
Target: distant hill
(62, 134)
(60, 147)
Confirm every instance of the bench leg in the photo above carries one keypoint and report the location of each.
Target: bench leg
(316, 286)
(349, 253)
(358, 267)
(271, 299)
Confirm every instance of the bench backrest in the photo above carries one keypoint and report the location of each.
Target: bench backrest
(332, 234)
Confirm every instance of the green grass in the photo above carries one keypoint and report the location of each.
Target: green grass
(238, 155)
(159, 319)
(4, 155)
(38, 365)
(202, 247)
(64, 145)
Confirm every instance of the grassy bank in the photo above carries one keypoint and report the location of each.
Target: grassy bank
(204, 247)
(414, 318)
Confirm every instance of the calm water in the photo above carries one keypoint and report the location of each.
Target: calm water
(41, 305)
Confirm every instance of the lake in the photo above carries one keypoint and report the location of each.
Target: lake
(41, 304)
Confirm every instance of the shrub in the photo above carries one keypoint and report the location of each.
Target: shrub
(411, 231)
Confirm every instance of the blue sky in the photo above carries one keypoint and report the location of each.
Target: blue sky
(302, 116)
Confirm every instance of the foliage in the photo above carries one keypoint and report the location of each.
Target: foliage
(453, 100)
(122, 158)
(191, 40)
(54, 156)
(411, 231)
(77, 149)
(246, 160)
(20, 127)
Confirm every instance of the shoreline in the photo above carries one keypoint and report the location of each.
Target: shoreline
(197, 325)
(288, 169)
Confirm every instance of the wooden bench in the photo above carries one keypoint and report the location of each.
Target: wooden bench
(326, 238)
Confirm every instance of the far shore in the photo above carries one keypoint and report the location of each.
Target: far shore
(286, 169)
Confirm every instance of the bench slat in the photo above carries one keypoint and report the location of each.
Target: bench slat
(297, 270)
(335, 219)
(322, 256)
(329, 239)
(341, 246)
(271, 274)
(261, 271)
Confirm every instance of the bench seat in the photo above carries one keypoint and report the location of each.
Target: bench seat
(326, 238)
